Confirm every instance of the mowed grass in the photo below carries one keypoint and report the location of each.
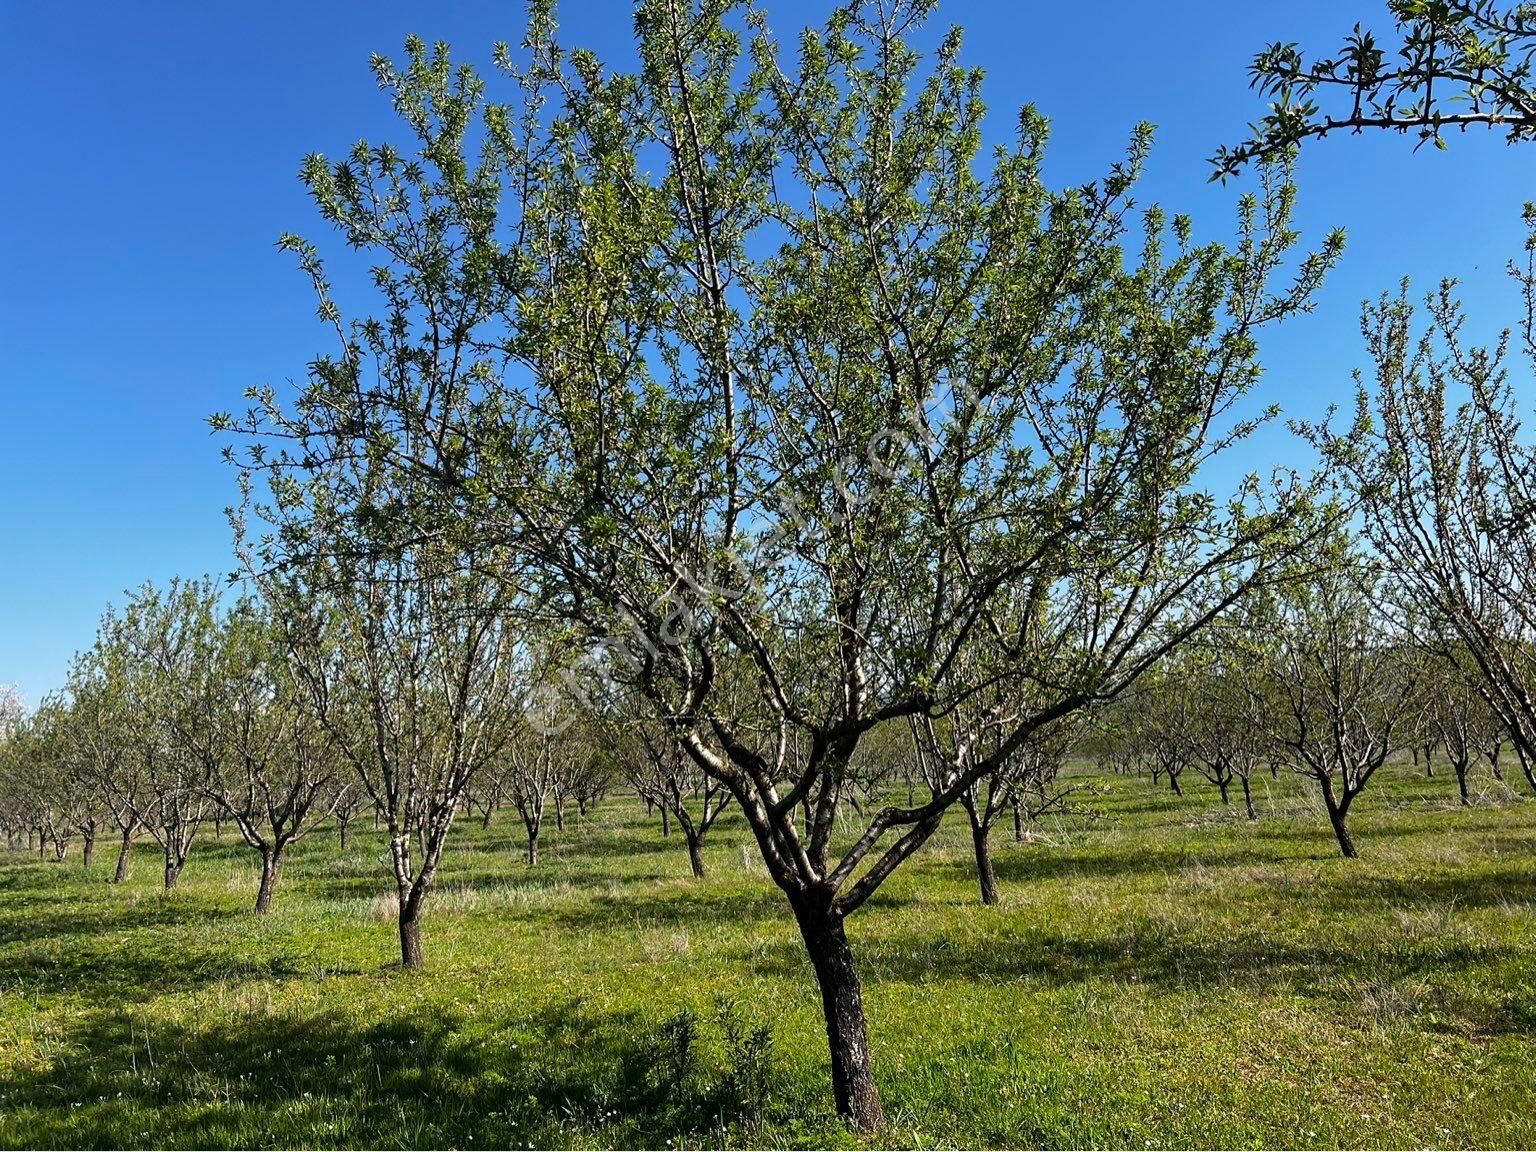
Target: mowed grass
(1161, 973)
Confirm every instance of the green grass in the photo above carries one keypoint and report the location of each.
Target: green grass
(1163, 974)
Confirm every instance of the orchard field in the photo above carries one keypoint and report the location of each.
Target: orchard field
(1160, 973)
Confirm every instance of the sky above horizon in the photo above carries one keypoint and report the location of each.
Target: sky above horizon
(154, 151)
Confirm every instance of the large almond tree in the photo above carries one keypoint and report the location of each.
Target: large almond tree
(810, 414)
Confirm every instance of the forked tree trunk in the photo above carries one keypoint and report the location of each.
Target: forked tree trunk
(87, 849)
(271, 868)
(1337, 815)
(1461, 766)
(343, 822)
(695, 852)
(1224, 785)
(842, 1003)
(1173, 782)
(172, 872)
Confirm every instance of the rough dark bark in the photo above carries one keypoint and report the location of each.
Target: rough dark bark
(842, 1001)
(87, 849)
(696, 854)
(1461, 766)
(981, 843)
(1338, 813)
(172, 873)
(271, 868)
(410, 931)
(1224, 785)
(1248, 798)
(125, 850)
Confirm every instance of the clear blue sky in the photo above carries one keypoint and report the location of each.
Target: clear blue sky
(150, 159)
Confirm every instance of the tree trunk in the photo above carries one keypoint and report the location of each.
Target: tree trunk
(1226, 800)
(123, 853)
(533, 844)
(172, 872)
(1248, 798)
(666, 821)
(1018, 824)
(88, 849)
(1337, 814)
(696, 854)
(1493, 762)
(410, 931)
(842, 1003)
(1461, 782)
(271, 866)
(343, 825)
(980, 834)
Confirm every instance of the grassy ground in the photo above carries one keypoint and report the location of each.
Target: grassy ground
(1163, 974)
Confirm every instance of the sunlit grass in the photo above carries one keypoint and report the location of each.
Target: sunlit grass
(1161, 974)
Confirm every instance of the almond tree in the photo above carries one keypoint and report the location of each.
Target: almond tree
(531, 766)
(665, 776)
(406, 662)
(768, 376)
(101, 730)
(274, 770)
(158, 646)
(1343, 681)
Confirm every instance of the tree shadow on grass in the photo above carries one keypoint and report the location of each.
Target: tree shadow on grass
(1147, 956)
(58, 915)
(414, 1080)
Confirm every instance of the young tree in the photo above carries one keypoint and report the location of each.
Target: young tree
(770, 378)
(407, 663)
(272, 769)
(1230, 738)
(665, 776)
(531, 767)
(101, 731)
(157, 649)
(1344, 682)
